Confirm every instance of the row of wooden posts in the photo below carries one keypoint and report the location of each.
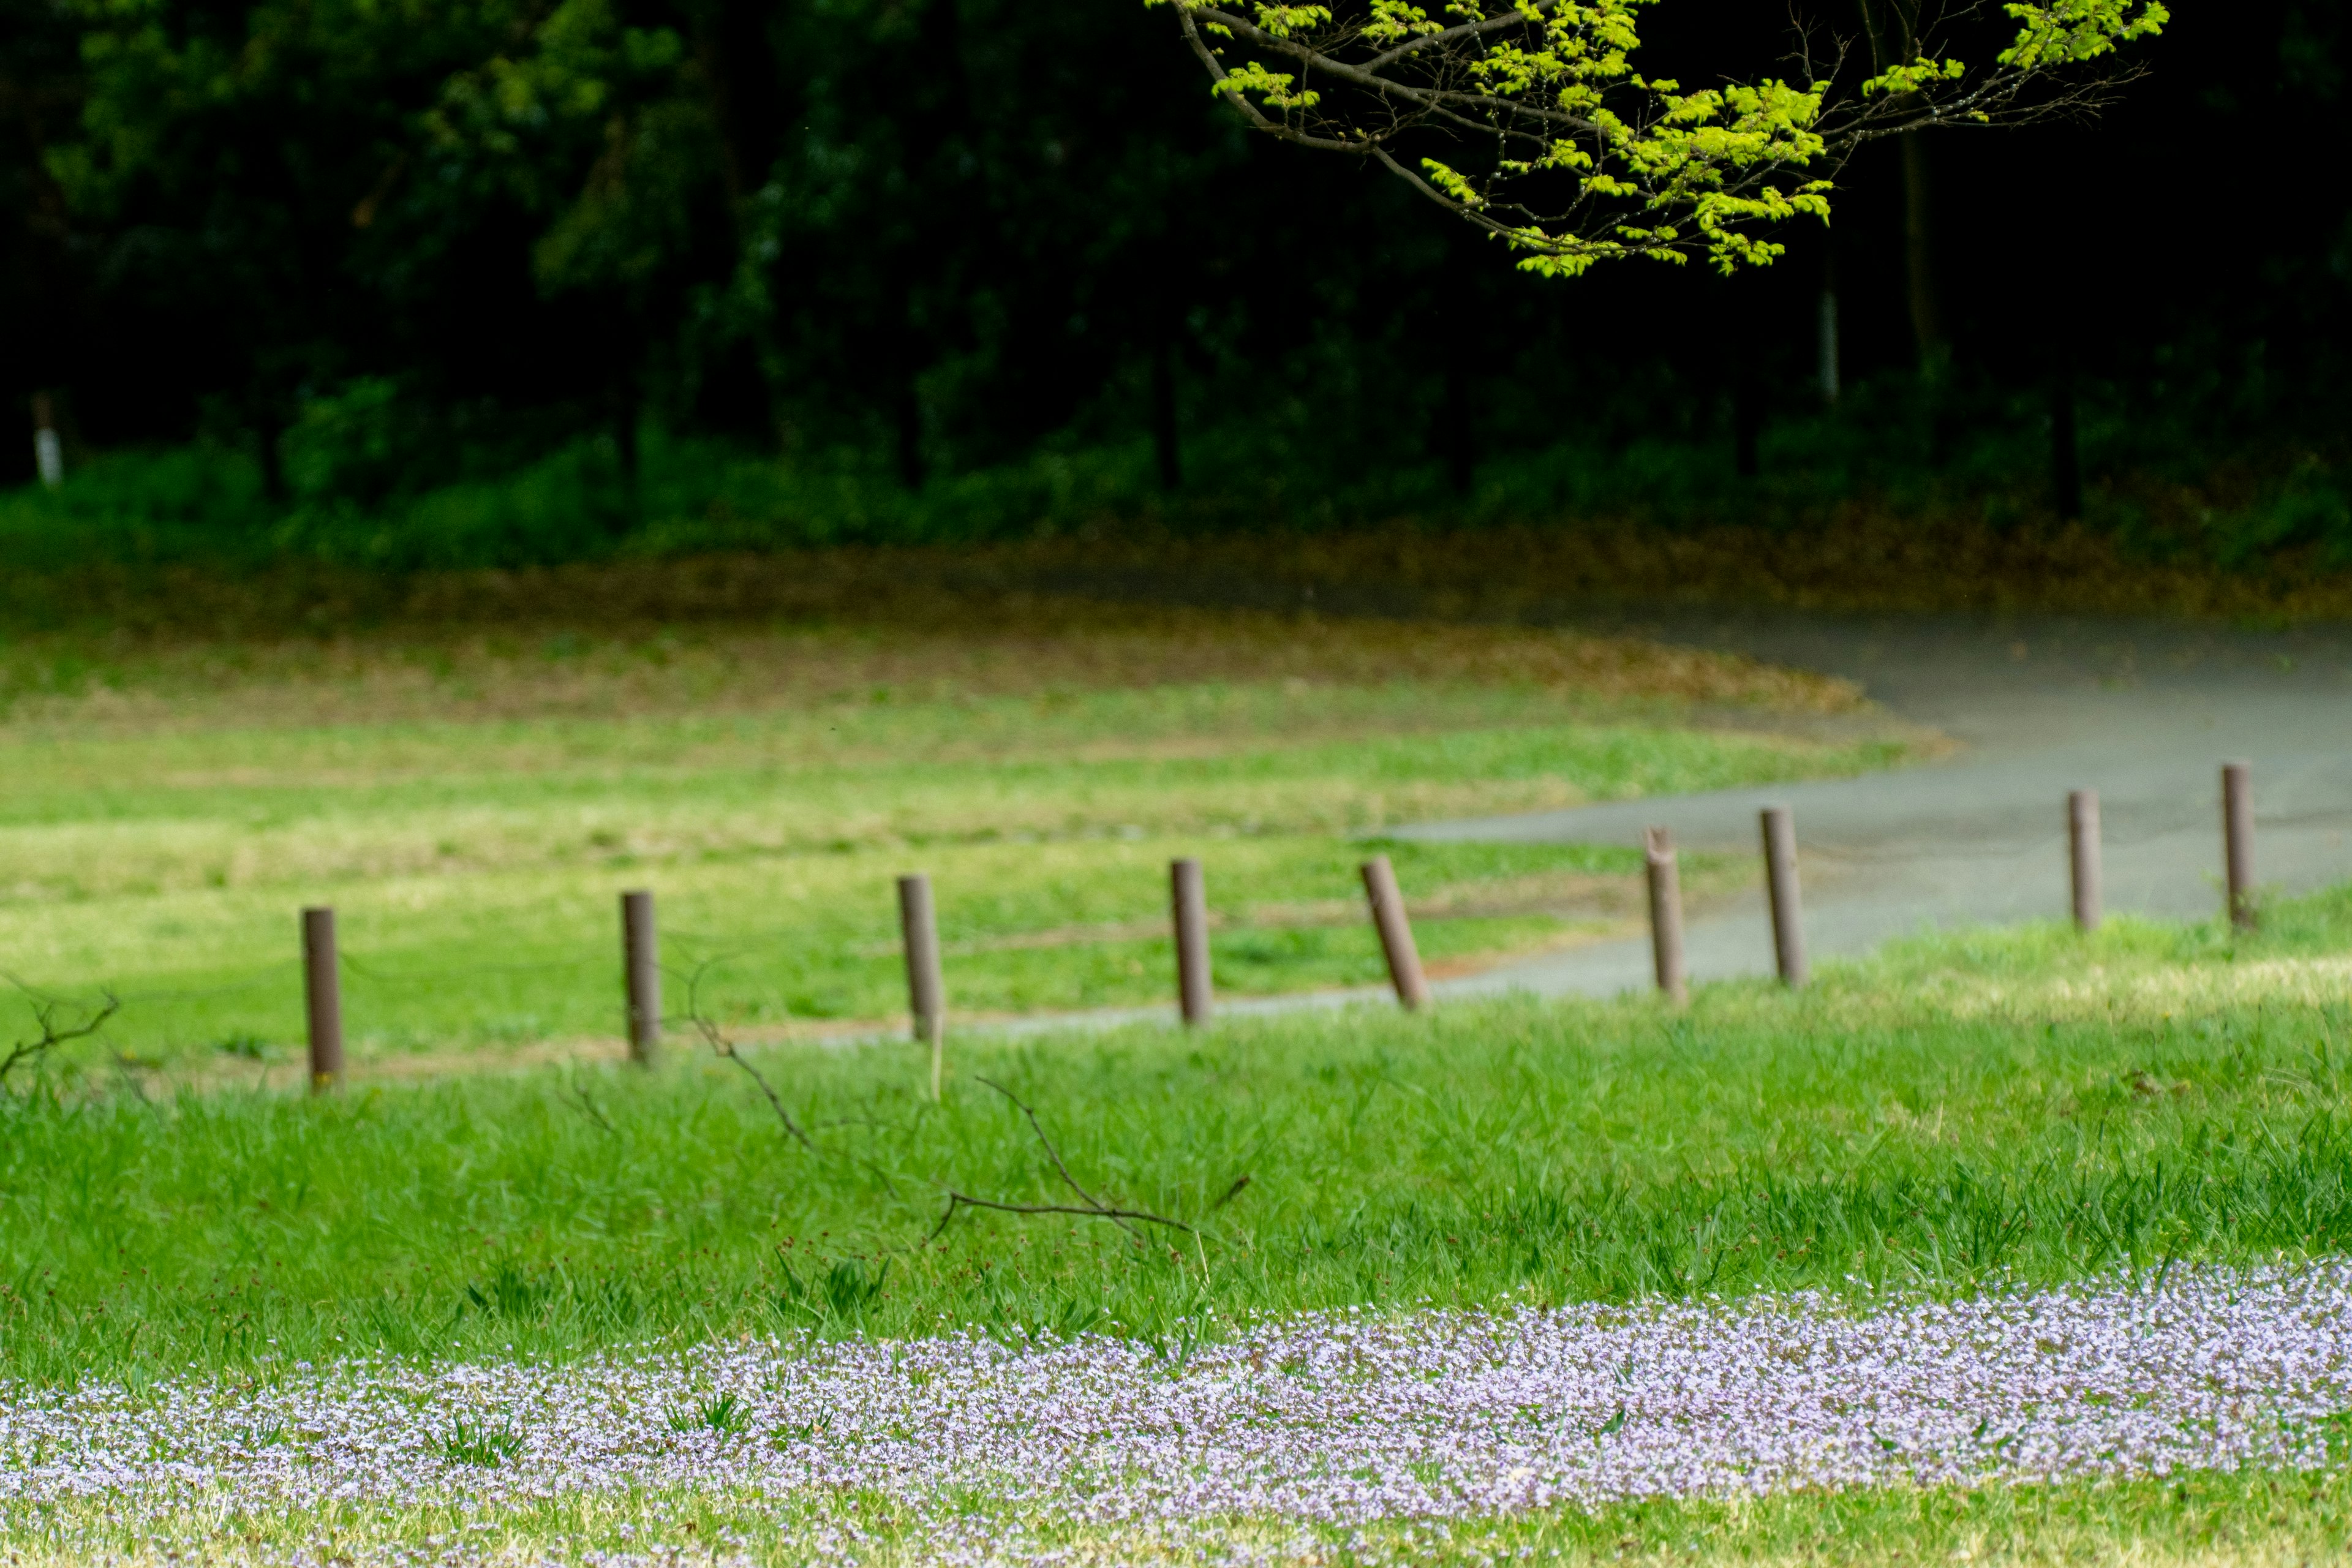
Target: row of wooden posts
(927, 985)
(1780, 834)
(919, 937)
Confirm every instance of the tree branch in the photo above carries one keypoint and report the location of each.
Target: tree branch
(45, 1012)
(723, 1047)
(1580, 157)
(1089, 1207)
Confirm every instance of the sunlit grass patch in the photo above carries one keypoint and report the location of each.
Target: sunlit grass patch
(471, 803)
(2130, 972)
(2207, 1519)
(1861, 1136)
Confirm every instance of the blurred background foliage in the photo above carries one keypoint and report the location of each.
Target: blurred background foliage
(456, 282)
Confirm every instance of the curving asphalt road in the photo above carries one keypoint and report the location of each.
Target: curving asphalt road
(2143, 713)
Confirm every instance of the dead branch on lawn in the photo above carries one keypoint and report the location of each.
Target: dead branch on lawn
(1089, 1207)
(720, 1045)
(45, 1012)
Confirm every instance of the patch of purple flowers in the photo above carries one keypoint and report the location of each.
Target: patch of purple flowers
(1340, 1418)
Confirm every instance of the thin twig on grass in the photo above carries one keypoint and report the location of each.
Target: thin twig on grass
(720, 1045)
(45, 1012)
(723, 1047)
(1092, 1207)
(1089, 1207)
(575, 1094)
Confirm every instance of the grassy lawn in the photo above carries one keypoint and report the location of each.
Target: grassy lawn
(1959, 1118)
(1877, 1132)
(472, 804)
(2245, 1519)
(1992, 1111)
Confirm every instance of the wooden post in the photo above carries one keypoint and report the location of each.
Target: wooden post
(925, 989)
(641, 973)
(2238, 843)
(1396, 932)
(1780, 881)
(1665, 913)
(322, 994)
(2083, 855)
(1189, 895)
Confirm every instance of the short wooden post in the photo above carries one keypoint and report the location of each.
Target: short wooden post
(1396, 932)
(1780, 880)
(641, 973)
(323, 996)
(2083, 855)
(1665, 913)
(2238, 843)
(926, 988)
(1189, 893)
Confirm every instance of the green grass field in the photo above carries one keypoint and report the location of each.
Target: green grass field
(1982, 1111)
(1998, 1110)
(472, 806)
(1876, 1128)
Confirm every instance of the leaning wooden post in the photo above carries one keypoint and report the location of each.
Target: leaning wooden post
(2083, 856)
(641, 973)
(2238, 843)
(322, 994)
(1665, 913)
(925, 989)
(1189, 893)
(1780, 880)
(1396, 932)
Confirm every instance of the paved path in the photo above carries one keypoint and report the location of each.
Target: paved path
(2144, 714)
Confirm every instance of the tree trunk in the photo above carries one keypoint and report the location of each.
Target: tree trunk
(1919, 257)
(2065, 456)
(738, 70)
(1459, 326)
(1164, 405)
(624, 424)
(272, 434)
(1460, 450)
(1827, 366)
(1747, 413)
(621, 412)
(909, 411)
(948, 215)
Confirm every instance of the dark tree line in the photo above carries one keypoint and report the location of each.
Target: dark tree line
(927, 234)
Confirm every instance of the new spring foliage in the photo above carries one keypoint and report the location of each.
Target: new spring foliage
(1552, 139)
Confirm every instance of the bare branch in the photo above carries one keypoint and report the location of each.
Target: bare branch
(575, 1094)
(723, 1047)
(1091, 1207)
(720, 1045)
(957, 1200)
(1051, 1152)
(45, 1012)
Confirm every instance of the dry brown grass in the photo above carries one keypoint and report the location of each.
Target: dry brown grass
(133, 648)
(501, 646)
